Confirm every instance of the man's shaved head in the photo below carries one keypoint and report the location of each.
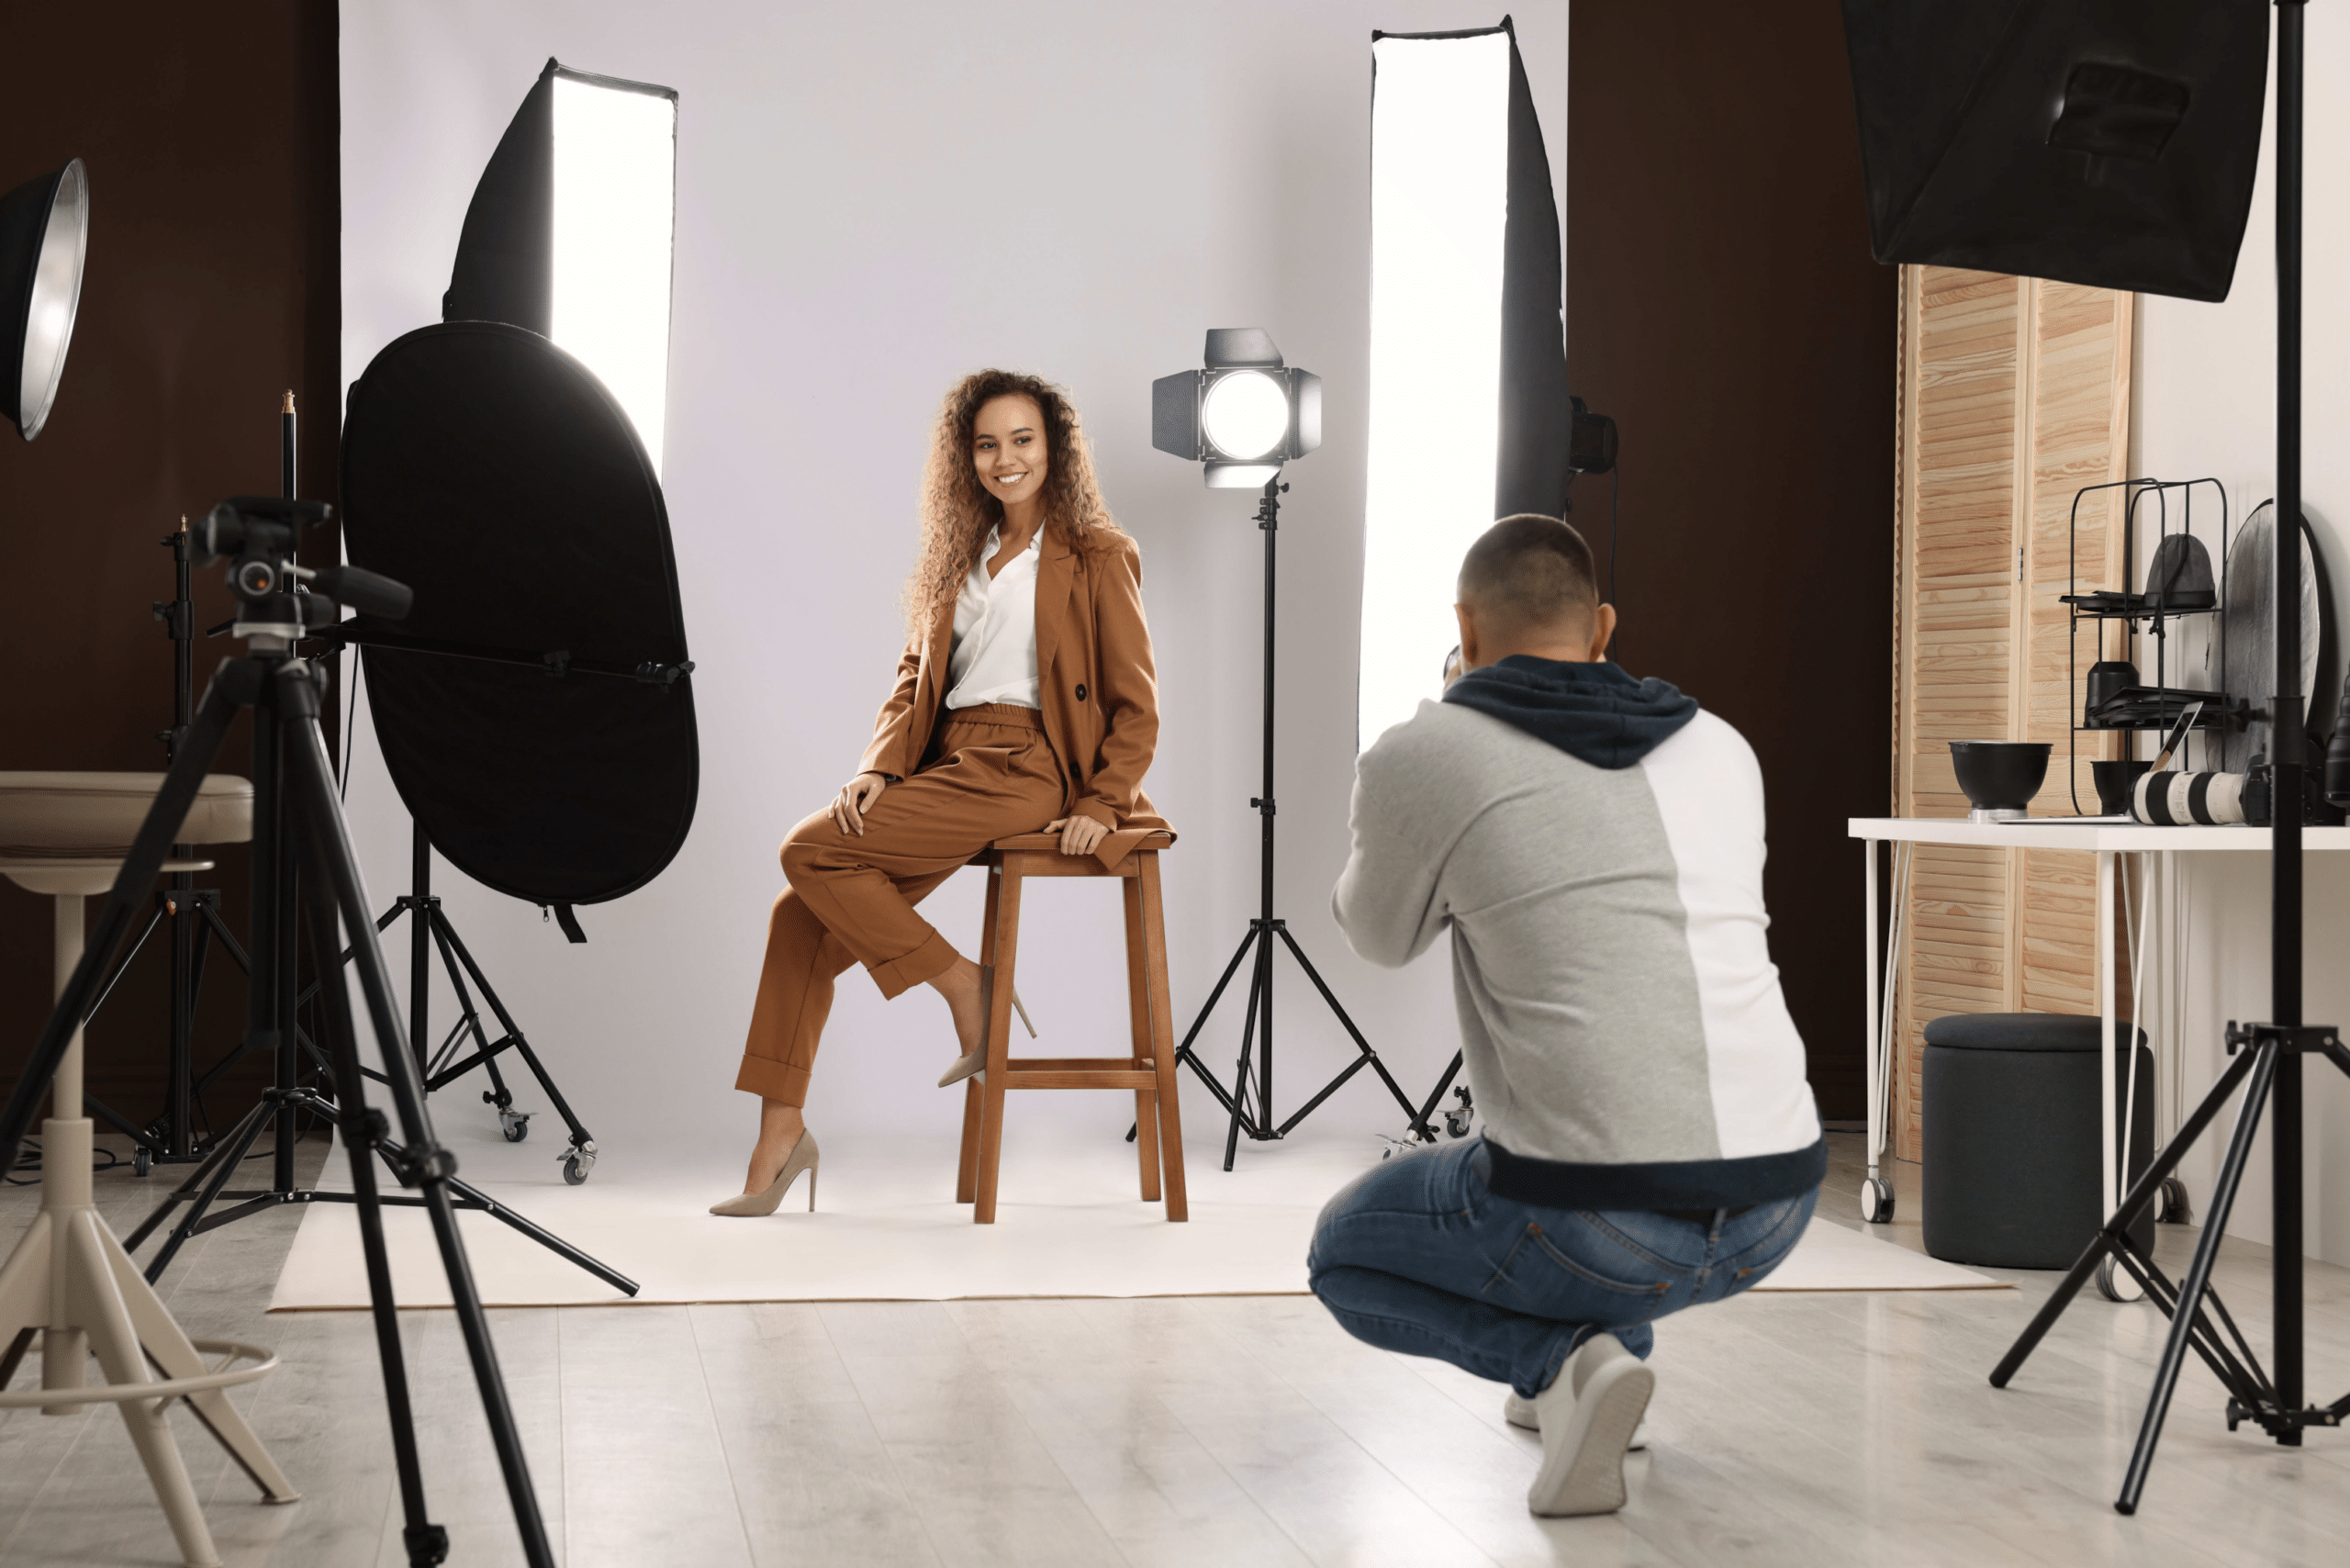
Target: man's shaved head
(1528, 574)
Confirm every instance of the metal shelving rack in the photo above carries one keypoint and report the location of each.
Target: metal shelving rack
(2100, 607)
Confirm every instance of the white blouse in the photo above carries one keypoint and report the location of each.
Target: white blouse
(994, 654)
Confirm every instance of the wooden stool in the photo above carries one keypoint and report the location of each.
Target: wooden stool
(1149, 1071)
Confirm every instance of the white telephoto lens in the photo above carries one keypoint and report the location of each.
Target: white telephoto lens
(1246, 415)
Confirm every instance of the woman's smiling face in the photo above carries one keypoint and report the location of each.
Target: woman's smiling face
(1008, 448)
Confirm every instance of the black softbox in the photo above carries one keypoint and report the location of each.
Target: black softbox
(2106, 142)
(534, 708)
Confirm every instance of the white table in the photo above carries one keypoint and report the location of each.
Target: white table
(2106, 841)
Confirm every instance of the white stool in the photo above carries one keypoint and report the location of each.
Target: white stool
(65, 835)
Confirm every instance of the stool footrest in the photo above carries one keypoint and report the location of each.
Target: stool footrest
(1078, 1072)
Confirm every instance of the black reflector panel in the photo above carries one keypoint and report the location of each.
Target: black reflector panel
(490, 472)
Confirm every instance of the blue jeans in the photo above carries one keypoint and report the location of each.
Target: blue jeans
(1419, 1256)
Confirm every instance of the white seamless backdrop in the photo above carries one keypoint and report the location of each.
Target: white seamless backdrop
(871, 201)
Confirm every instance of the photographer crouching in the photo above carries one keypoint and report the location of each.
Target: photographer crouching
(1594, 842)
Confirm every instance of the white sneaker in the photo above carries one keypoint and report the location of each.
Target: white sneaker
(1519, 1411)
(1587, 1417)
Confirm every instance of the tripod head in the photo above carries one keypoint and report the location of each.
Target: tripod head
(278, 601)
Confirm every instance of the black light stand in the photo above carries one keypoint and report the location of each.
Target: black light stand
(1252, 1106)
(282, 691)
(2267, 1056)
(193, 917)
(431, 930)
(192, 913)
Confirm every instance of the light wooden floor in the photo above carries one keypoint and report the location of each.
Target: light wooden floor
(1810, 1430)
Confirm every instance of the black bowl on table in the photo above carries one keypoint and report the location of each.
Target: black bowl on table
(1999, 776)
(2115, 783)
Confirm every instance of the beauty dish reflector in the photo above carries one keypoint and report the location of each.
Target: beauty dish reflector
(2106, 142)
(44, 236)
(570, 233)
(534, 708)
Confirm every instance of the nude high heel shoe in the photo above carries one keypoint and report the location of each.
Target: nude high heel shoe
(974, 1063)
(804, 1156)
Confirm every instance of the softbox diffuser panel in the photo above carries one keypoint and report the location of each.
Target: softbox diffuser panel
(1470, 416)
(2106, 142)
(490, 472)
(571, 230)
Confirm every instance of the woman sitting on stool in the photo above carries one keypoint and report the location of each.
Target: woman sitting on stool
(1026, 702)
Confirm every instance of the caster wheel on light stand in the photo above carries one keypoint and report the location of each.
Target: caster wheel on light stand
(142, 1161)
(2114, 1284)
(1876, 1201)
(515, 1125)
(578, 1162)
(2173, 1208)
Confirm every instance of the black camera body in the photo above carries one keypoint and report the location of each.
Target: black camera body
(2260, 790)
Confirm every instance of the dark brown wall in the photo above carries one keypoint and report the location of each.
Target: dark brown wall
(212, 290)
(1721, 304)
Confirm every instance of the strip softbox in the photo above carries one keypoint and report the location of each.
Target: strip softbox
(1470, 416)
(571, 230)
(534, 708)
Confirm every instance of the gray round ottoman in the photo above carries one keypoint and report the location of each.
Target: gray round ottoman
(2010, 1137)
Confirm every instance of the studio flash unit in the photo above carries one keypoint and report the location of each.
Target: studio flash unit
(1243, 416)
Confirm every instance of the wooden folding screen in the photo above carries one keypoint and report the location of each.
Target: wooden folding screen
(2014, 395)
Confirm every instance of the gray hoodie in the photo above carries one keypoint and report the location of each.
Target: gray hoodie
(1621, 1018)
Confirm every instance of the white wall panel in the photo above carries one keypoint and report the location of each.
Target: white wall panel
(872, 200)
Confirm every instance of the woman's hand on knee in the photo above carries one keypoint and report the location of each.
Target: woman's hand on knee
(857, 797)
(1079, 833)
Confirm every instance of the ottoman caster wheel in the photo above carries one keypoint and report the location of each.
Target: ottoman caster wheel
(1876, 1202)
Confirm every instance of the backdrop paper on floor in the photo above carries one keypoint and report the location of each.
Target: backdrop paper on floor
(864, 213)
(887, 1229)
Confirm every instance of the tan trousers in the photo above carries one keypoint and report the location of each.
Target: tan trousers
(852, 896)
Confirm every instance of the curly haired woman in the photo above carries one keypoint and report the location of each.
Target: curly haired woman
(1025, 701)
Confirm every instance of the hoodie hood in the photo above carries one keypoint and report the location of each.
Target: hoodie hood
(1594, 713)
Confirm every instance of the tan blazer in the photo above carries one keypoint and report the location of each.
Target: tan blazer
(1095, 679)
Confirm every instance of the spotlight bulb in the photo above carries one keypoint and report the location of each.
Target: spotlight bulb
(1246, 415)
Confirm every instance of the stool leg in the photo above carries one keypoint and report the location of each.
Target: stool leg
(1162, 1033)
(1003, 932)
(966, 1173)
(1138, 1009)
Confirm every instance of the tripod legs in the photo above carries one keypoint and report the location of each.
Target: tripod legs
(454, 953)
(427, 1165)
(2198, 1279)
(1256, 1026)
(2251, 1395)
(434, 931)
